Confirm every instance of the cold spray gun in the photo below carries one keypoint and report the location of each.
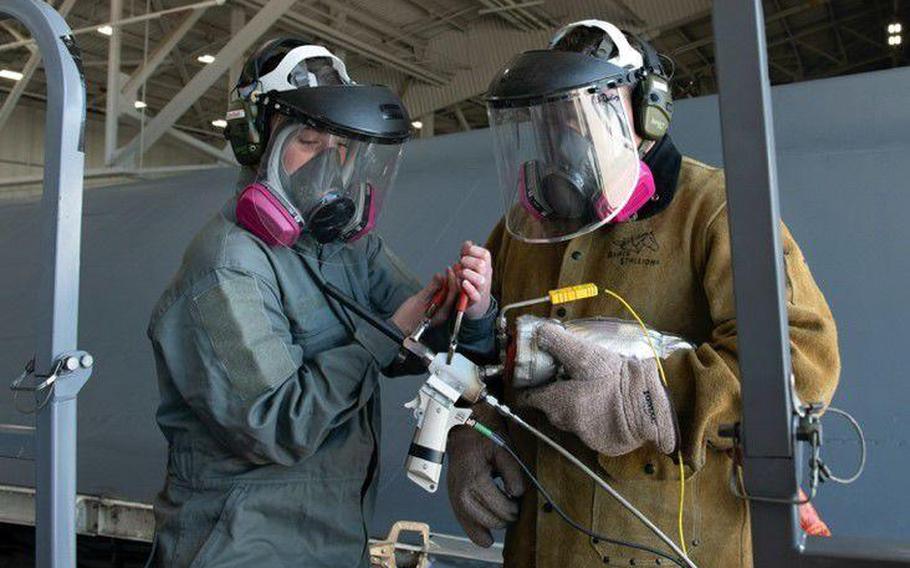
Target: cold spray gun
(553, 297)
(462, 379)
(450, 380)
(454, 377)
(434, 407)
(528, 365)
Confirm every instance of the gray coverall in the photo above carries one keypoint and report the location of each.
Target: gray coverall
(270, 399)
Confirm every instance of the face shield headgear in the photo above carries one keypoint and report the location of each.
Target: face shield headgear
(565, 151)
(328, 186)
(332, 155)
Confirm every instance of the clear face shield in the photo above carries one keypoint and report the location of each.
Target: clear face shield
(331, 186)
(567, 165)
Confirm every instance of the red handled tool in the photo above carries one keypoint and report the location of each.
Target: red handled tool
(460, 308)
(438, 300)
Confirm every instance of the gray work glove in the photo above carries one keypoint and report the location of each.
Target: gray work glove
(478, 502)
(614, 405)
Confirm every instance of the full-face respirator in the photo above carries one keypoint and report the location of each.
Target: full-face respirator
(326, 149)
(309, 182)
(565, 140)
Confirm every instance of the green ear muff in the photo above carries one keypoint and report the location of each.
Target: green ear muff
(248, 136)
(247, 128)
(653, 107)
(652, 100)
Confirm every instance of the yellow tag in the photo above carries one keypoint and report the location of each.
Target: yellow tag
(572, 293)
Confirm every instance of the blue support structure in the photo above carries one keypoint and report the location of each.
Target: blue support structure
(58, 368)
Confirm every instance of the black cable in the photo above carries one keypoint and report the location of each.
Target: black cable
(382, 326)
(151, 557)
(498, 440)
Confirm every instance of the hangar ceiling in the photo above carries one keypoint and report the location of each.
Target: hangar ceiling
(438, 54)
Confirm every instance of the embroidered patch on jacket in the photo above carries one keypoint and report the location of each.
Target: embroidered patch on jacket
(636, 250)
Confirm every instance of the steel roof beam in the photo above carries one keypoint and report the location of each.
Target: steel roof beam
(862, 37)
(375, 22)
(709, 40)
(121, 22)
(346, 41)
(799, 35)
(837, 35)
(165, 28)
(205, 78)
(799, 58)
(112, 102)
(459, 114)
(434, 14)
(435, 22)
(505, 12)
(185, 139)
(34, 61)
(164, 48)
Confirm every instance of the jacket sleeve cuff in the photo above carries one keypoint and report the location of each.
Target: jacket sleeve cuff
(381, 347)
(480, 334)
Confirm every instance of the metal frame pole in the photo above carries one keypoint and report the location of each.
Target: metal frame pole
(770, 458)
(55, 441)
(761, 316)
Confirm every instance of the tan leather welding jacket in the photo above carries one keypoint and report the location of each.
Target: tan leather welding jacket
(673, 265)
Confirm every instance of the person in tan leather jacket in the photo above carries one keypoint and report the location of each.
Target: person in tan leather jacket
(670, 259)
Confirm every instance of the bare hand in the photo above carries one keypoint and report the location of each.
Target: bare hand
(411, 312)
(476, 278)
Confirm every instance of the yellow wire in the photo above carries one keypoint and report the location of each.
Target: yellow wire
(663, 378)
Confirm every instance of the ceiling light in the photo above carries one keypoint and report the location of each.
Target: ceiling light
(11, 75)
(417, 124)
(206, 59)
(106, 30)
(140, 104)
(219, 123)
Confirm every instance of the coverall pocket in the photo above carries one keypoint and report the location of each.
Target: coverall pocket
(657, 499)
(221, 530)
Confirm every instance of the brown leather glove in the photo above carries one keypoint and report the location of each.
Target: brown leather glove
(614, 405)
(474, 461)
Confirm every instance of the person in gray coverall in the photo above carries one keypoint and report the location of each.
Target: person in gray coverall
(270, 398)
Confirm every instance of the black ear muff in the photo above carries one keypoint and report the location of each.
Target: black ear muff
(652, 101)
